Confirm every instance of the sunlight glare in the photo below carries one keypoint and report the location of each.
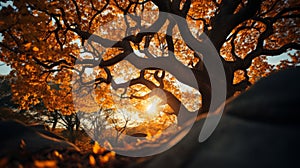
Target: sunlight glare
(154, 106)
(155, 102)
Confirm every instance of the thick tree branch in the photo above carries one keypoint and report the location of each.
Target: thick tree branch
(172, 101)
(280, 50)
(163, 6)
(225, 21)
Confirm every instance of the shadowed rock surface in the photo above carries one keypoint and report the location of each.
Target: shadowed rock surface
(274, 99)
(18, 139)
(260, 128)
(32, 146)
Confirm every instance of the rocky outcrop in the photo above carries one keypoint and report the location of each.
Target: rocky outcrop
(259, 128)
(18, 139)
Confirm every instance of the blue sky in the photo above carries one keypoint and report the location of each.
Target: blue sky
(4, 69)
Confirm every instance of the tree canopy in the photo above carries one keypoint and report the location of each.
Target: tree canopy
(45, 41)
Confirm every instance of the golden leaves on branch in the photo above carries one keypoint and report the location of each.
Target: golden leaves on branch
(27, 46)
(259, 68)
(35, 49)
(43, 30)
(92, 160)
(238, 76)
(45, 163)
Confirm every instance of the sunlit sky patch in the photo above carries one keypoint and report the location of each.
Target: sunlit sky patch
(274, 60)
(4, 69)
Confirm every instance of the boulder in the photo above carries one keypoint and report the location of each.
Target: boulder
(259, 128)
(273, 99)
(18, 139)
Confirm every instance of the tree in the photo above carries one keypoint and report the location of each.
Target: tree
(43, 40)
(5, 92)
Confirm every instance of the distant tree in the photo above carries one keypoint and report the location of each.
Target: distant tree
(42, 41)
(119, 125)
(93, 123)
(72, 125)
(5, 92)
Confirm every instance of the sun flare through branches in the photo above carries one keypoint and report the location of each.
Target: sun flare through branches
(155, 103)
